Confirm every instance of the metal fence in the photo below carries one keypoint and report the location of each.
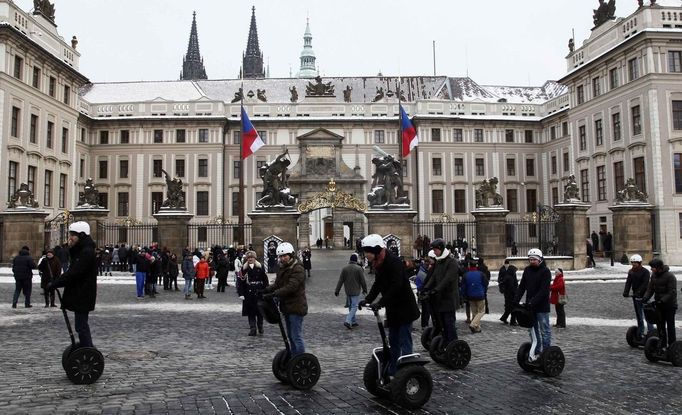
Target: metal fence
(142, 234)
(536, 230)
(206, 235)
(56, 230)
(453, 232)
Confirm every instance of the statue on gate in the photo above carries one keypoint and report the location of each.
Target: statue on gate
(631, 194)
(22, 198)
(276, 192)
(387, 183)
(571, 190)
(487, 191)
(174, 197)
(89, 197)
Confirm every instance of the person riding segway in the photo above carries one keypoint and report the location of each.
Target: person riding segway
(663, 287)
(638, 280)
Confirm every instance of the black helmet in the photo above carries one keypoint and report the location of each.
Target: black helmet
(438, 244)
(656, 263)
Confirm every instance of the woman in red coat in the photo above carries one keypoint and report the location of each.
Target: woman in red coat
(558, 298)
(202, 274)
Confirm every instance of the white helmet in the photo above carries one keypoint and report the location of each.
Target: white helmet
(636, 258)
(431, 254)
(80, 227)
(285, 248)
(535, 252)
(373, 240)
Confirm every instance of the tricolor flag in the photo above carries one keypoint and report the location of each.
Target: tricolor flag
(410, 139)
(251, 141)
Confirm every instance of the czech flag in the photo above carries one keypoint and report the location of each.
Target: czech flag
(251, 141)
(410, 139)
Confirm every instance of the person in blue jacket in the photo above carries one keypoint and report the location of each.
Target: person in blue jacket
(475, 287)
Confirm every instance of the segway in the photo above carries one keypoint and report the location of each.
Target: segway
(83, 365)
(551, 361)
(652, 351)
(635, 340)
(302, 371)
(410, 387)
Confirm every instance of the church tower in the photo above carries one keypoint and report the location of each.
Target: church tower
(192, 62)
(307, 69)
(253, 58)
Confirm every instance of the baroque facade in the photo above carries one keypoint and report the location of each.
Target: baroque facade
(615, 114)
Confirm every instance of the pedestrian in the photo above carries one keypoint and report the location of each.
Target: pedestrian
(663, 287)
(590, 254)
(141, 267)
(202, 273)
(155, 272)
(106, 263)
(188, 273)
(535, 284)
(221, 267)
(558, 298)
(486, 273)
(173, 271)
(115, 259)
(418, 246)
(514, 249)
(595, 241)
(608, 244)
(250, 285)
(396, 296)
(423, 274)
(307, 262)
(272, 257)
(475, 286)
(508, 283)
(443, 289)
(50, 268)
(638, 281)
(123, 257)
(80, 280)
(352, 278)
(465, 245)
(289, 287)
(22, 268)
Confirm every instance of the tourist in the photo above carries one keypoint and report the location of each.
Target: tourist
(352, 278)
(250, 284)
(22, 268)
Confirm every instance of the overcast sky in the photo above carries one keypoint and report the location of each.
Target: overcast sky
(498, 42)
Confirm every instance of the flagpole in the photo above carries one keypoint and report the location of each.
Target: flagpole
(242, 205)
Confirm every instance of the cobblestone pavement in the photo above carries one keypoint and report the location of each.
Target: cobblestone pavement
(168, 355)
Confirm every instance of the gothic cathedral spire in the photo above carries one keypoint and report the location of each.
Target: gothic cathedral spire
(307, 69)
(192, 62)
(252, 59)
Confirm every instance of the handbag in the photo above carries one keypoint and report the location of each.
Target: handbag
(563, 299)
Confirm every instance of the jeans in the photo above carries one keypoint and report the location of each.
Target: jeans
(294, 324)
(25, 285)
(400, 342)
(139, 282)
(639, 313)
(187, 289)
(83, 329)
(666, 324)
(353, 300)
(543, 330)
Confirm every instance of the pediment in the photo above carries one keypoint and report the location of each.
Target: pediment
(320, 133)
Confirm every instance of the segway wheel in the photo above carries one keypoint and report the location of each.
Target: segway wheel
(631, 336)
(458, 354)
(437, 351)
(279, 366)
(84, 366)
(650, 349)
(553, 361)
(67, 352)
(522, 357)
(411, 387)
(675, 354)
(370, 377)
(426, 338)
(303, 371)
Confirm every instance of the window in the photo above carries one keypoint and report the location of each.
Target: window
(236, 169)
(615, 125)
(83, 135)
(613, 78)
(636, 120)
(459, 167)
(531, 200)
(16, 117)
(601, 183)
(596, 91)
(530, 167)
(157, 201)
(33, 130)
(36, 77)
(528, 136)
(677, 115)
(552, 132)
(65, 140)
(236, 137)
(18, 67)
(180, 167)
(564, 128)
(123, 169)
(235, 203)
(103, 200)
(47, 196)
(436, 166)
(511, 167)
(157, 166)
(122, 204)
(81, 169)
(103, 169)
(508, 136)
(512, 200)
(555, 196)
(582, 138)
(460, 201)
(203, 168)
(12, 179)
(50, 134)
(480, 167)
(633, 69)
(478, 135)
(52, 88)
(680, 225)
(584, 185)
(31, 178)
(674, 61)
(158, 136)
(62, 191)
(618, 176)
(67, 94)
(436, 201)
(566, 166)
(457, 135)
(104, 137)
(379, 136)
(640, 172)
(202, 203)
(203, 135)
(180, 136)
(677, 168)
(263, 135)
(553, 164)
(580, 92)
(435, 134)
(125, 136)
(598, 133)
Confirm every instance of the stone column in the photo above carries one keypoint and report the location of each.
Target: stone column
(22, 227)
(337, 226)
(632, 230)
(393, 222)
(304, 230)
(172, 230)
(573, 231)
(93, 217)
(282, 224)
(490, 235)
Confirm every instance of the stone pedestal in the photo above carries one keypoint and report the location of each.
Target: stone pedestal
(22, 227)
(573, 230)
(632, 230)
(395, 222)
(93, 217)
(304, 231)
(282, 224)
(490, 235)
(172, 229)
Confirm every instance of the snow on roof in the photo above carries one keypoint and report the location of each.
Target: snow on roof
(116, 92)
(669, 3)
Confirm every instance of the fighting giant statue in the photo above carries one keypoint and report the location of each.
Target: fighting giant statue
(276, 192)
(387, 183)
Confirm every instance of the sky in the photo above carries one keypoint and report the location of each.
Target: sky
(495, 42)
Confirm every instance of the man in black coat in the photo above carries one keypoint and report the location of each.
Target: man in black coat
(508, 284)
(638, 280)
(80, 280)
(396, 296)
(535, 283)
(443, 289)
(663, 287)
(22, 268)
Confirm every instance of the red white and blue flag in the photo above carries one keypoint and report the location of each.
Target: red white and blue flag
(410, 139)
(251, 141)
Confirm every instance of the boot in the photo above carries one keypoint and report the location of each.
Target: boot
(14, 305)
(53, 304)
(252, 332)
(260, 329)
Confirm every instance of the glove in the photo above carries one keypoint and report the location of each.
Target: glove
(625, 295)
(241, 297)
(375, 306)
(336, 294)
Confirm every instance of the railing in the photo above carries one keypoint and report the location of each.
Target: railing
(536, 230)
(456, 233)
(206, 235)
(57, 230)
(142, 234)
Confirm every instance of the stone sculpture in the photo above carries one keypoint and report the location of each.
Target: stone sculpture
(174, 197)
(571, 191)
(319, 89)
(22, 198)
(631, 194)
(487, 191)
(276, 192)
(294, 94)
(604, 13)
(89, 197)
(387, 183)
